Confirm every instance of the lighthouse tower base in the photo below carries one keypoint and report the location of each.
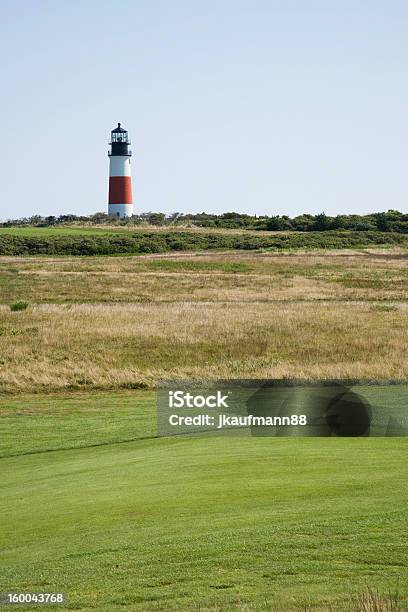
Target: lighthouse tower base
(120, 211)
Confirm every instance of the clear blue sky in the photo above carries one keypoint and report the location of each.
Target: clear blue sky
(266, 107)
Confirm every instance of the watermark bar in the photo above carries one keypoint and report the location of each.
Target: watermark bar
(335, 408)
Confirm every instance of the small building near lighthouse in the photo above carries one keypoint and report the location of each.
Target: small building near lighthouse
(120, 203)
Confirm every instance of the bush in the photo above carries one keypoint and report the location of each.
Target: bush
(278, 224)
(148, 242)
(19, 305)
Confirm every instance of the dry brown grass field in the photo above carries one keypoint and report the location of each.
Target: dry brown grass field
(117, 322)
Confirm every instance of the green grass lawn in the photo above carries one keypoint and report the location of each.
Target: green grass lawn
(130, 520)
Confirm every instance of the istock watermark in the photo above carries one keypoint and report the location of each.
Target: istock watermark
(335, 408)
(180, 399)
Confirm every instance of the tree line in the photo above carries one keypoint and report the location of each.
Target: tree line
(390, 221)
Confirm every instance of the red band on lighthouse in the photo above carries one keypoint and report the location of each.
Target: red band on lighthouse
(120, 190)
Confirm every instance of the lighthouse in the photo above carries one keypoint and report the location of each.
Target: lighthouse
(120, 181)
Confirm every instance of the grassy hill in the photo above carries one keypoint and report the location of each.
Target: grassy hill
(193, 523)
(94, 505)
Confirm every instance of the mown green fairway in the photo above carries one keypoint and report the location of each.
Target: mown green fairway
(193, 523)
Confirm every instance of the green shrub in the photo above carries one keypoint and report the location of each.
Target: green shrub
(19, 305)
(148, 242)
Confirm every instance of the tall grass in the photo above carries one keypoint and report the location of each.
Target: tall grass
(124, 345)
(125, 322)
(373, 601)
(216, 277)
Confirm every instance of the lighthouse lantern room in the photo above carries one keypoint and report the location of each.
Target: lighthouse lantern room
(120, 181)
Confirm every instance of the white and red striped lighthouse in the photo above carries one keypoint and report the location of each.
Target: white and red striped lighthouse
(120, 180)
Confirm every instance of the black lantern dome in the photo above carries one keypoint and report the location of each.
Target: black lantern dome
(119, 142)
